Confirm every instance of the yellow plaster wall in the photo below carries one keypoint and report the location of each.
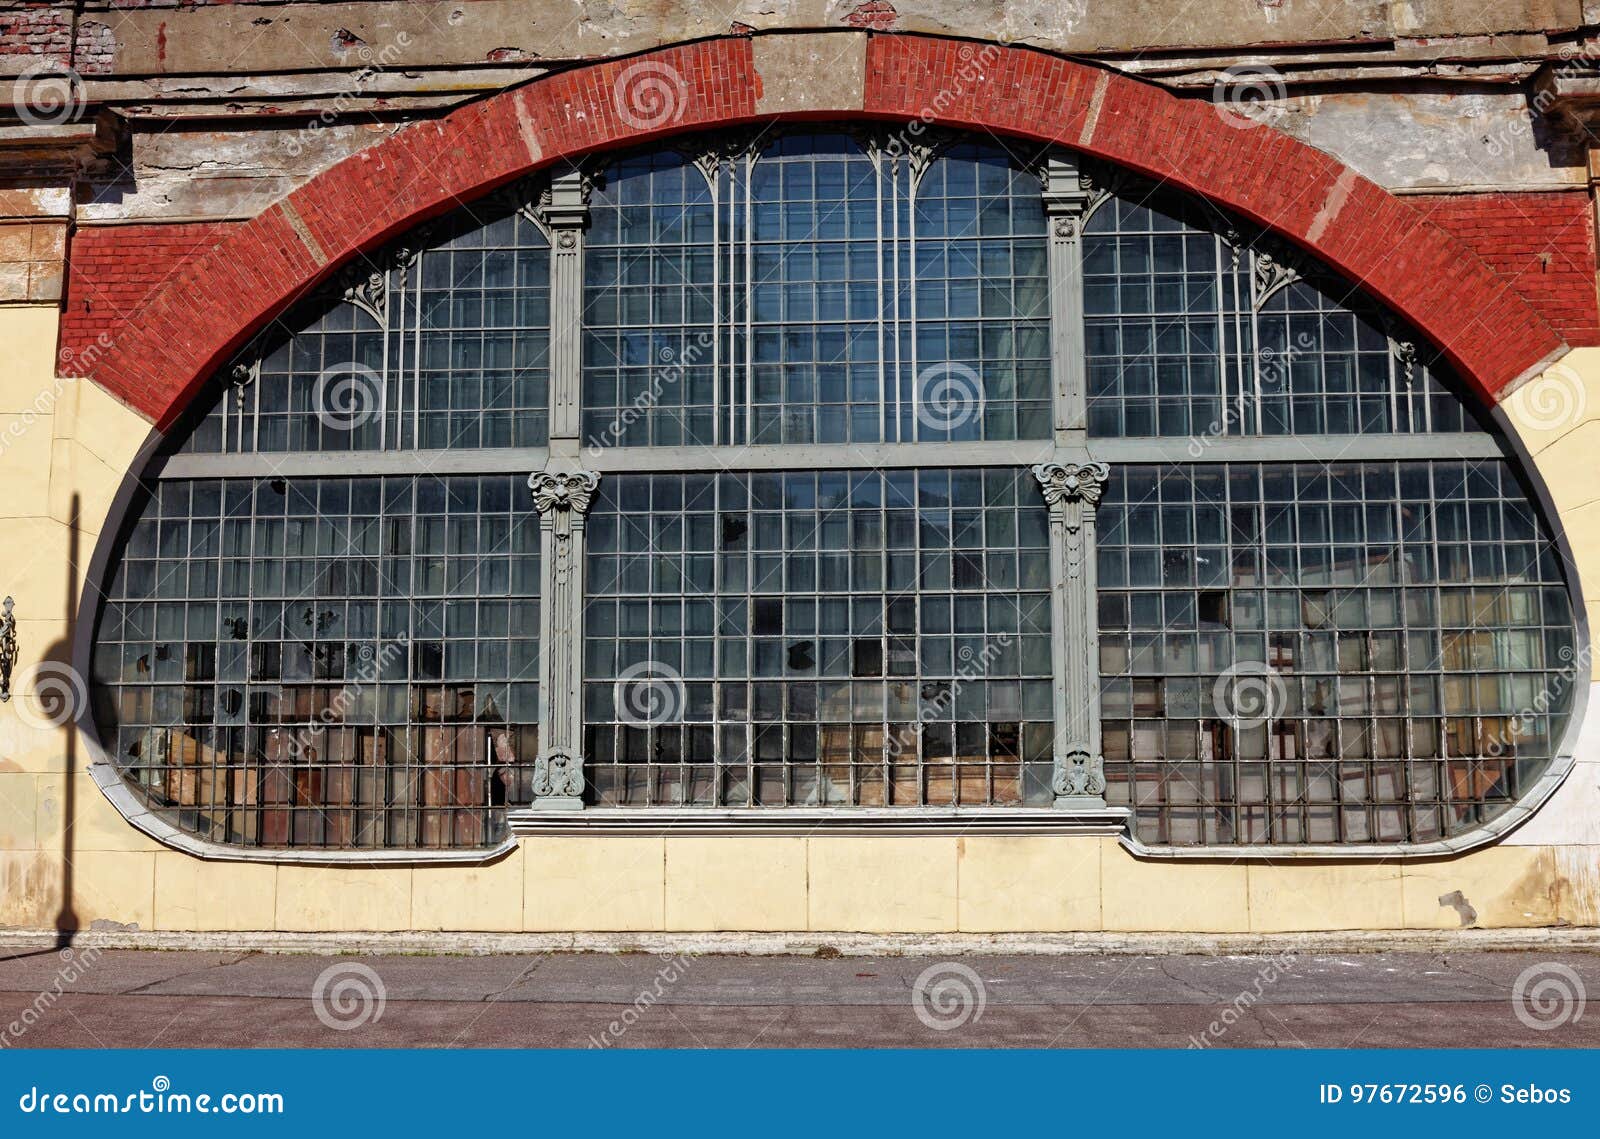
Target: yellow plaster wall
(68, 444)
(64, 443)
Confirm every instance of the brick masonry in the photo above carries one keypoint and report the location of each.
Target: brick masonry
(1543, 244)
(43, 30)
(115, 270)
(1441, 265)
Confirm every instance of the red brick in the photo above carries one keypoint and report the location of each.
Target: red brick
(1471, 273)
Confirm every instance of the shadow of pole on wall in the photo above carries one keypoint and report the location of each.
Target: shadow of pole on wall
(61, 654)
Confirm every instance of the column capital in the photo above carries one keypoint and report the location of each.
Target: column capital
(1072, 482)
(564, 204)
(1067, 193)
(572, 491)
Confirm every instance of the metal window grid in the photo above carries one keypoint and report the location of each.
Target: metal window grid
(1341, 653)
(326, 663)
(847, 638)
(720, 280)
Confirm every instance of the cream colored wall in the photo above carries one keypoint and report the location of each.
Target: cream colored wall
(1557, 416)
(58, 439)
(62, 438)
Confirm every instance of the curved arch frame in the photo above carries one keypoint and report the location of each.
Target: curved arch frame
(1489, 333)
(275, 259)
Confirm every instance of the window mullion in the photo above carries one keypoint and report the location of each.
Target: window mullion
(565, 213)
(562, 501)
(561, 495)
(1066, 200)
(1072, 491)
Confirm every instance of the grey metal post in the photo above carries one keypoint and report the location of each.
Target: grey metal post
(565, 211)
(562, 500)
(561, 494)
(1066, 199)
(1072, 491)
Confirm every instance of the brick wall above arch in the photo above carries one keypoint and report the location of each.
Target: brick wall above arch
(154, 353)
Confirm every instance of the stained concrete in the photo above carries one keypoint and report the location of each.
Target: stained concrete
(166, 41)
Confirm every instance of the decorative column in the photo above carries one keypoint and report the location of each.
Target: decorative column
(1067, 196)
(1072, 491)
(562, 500)
(564, 210)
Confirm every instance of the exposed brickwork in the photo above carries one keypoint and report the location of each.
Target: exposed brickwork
(191, 325)
(878, 15)
(40, 29)
(115, 269)
(1542, 243)
(94, 50)
(186, 329)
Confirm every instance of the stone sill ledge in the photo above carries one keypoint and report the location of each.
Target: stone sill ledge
(1109, 822)
(821, 943)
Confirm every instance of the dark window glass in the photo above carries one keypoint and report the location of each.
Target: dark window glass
(440, 343)
(326, 663)
(1356, 653)
(817, 289)
(1193, 328)
(848, 638)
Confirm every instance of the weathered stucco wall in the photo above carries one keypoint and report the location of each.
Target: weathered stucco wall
(1415, 94)
(154, 38)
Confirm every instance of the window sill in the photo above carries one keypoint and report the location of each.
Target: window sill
(1110, 822)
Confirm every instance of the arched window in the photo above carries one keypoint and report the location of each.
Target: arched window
(830, 468)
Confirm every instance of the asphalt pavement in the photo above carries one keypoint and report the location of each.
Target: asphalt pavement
(87, 997)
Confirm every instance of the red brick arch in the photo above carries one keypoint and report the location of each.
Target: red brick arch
(159, 356)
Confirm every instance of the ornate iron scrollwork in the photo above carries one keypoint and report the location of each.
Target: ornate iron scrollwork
(557, 775)
(8, 648)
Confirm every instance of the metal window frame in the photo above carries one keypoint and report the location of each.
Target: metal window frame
(1070, 194)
